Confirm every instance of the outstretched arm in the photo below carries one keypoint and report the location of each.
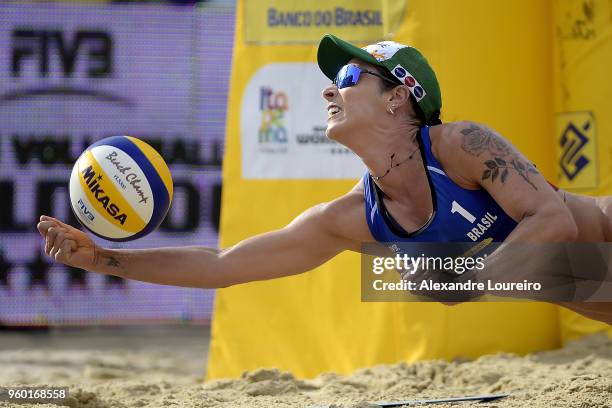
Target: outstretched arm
(307, 242)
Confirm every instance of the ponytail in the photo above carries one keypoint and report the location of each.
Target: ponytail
(435, 119)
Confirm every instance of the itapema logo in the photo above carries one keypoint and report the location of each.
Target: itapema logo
(272, 136)
(283, 118)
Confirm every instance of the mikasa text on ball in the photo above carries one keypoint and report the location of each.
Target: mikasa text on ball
(120, 188)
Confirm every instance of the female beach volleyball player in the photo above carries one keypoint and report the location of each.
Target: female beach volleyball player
(426, 182)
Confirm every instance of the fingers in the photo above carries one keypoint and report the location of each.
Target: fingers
(43, 227)
(48, 227)
(50, 238)
(59, 241)
(64, 252)
(62, 247)
(45, 220)
(56, 240)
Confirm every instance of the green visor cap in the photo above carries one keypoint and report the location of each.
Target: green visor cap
(403, 62)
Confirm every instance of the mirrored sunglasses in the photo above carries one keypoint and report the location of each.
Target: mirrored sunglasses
(349, 75)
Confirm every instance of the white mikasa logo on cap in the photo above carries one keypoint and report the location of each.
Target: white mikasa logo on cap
(383, 50)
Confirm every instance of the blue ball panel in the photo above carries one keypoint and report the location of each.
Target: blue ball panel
(160, 193)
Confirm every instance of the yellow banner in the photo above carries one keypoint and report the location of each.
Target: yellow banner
(315, 322)
(583, 56)
(293, 21)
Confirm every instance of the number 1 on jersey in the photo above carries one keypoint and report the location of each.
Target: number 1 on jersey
(456, 208)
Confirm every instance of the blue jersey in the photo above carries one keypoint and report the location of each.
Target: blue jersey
(459, 215)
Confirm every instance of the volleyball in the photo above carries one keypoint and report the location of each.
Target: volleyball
(120, 188)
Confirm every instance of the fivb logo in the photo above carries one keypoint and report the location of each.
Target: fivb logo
(85, 211)
(43, 47)
(43, 54)
(272, 106)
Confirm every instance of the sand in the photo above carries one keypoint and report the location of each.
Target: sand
(579, 375)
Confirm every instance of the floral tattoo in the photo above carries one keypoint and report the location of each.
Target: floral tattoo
(477, 139)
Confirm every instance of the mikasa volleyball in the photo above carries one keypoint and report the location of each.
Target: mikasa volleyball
(120, 188)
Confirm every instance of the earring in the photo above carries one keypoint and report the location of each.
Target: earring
(391, 109)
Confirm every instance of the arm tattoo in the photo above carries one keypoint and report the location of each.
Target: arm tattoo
(477, 139)
(113, 262)
(99, 256)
